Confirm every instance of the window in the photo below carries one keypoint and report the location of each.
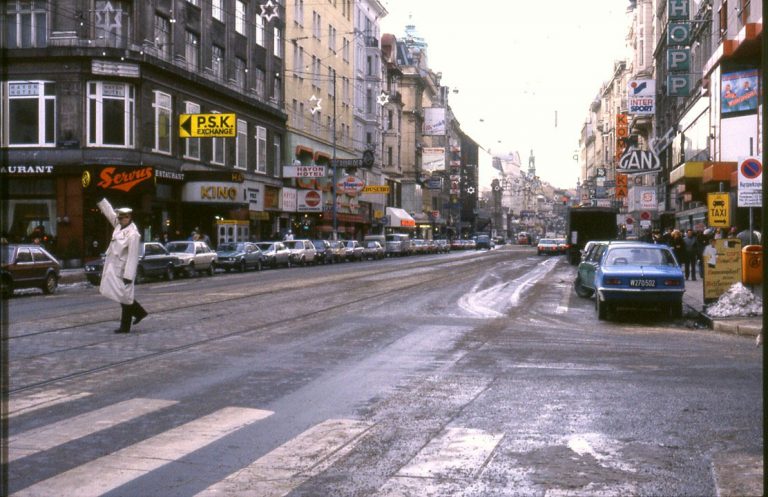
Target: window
(240, 72)
(345, 50)
(240, 16)
(111, 111)
(162, 106)
(194, 2)
(216, 10)
(389, 156)
(27, 23)
(298, 9)
(217, 153)
(301, 115)
(31, 107)
(277, 46)
(217, 62)
(277, 94)
(723, 15)
(261, 149)
(329, 127)
(259, 38)
(331, 38)
(331, 82)
(295, 116)
(163, 36)
(368, 101)
(260, 82)
(369, 66)
(192, 145)
(390, 118)
(317, 24)
(241, 145)
(192, 51)
(111, 22)
(277, 147)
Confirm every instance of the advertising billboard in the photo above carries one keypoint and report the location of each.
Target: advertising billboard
(434, 121)
(433, 159)
(738, 92)
(641, 95)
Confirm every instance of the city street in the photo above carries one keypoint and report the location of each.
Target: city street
(472, 373)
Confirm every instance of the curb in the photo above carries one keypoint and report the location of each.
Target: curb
(69, 277)
(733, 326)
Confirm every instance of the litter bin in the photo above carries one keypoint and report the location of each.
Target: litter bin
(752, 264)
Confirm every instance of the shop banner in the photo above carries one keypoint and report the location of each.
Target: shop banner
(739, 91)
(433, 159)
(309, 201)
(434, 121)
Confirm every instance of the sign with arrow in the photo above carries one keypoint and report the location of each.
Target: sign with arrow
(207, 126)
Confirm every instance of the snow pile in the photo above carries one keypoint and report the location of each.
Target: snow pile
(737, 301)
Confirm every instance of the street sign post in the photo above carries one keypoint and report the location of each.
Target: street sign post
(207, 126)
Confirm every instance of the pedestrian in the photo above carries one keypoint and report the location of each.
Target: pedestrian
(710, 253)
(288, 236)
(718, 234)
(691, 254)
(120, 264)
(666, 238)
(678, 246)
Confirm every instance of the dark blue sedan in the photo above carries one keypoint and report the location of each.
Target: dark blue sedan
(638, 275)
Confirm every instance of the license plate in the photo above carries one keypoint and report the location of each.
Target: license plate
(642, 283)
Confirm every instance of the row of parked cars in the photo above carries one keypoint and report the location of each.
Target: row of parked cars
(630, 274)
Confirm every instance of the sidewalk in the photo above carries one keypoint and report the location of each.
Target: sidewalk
(748, 326)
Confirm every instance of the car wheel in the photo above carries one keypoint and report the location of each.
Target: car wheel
(258, 265)
(191, 271)
(211, 270)
(676, 310)
(242, 266)
(140, 276)
(94, 280)
(602, 309)
(169, 273)
(51, 282)
(581, 290)
(6, 287)
(288, 264)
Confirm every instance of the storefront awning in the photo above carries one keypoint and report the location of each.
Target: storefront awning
(398, 218)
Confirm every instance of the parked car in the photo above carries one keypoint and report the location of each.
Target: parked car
(562, 246)
(430, 246)
(339, 250)
(584, 284)
(302, 252)
(353, 250)
(240, 256)
(28, 266)
(483, 242)
(373, 250)
(324, 251)
(443, 245)
(470, 244)
(457, 244)
(276, 254)
(547, 246)
(154, 262)
(639, 275)
(398, 244)
(418, 247)
(194, 257)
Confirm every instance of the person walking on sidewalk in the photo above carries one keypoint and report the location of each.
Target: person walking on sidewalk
(120, 263)
(677, 244)
(691, 242)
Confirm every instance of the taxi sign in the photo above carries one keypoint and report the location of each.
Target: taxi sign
(207, 125)
(718, 207)
(382, 189)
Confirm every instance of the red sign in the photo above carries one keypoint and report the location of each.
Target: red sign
(350, 185)
(120, 178)
(645, 215)
(312, 199)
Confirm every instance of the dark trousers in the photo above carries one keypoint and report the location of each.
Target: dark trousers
(130, 311)
(690, 266)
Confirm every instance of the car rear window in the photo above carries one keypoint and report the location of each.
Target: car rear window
(181, 247)
(639, 256)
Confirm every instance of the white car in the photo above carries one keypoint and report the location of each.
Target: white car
(194, 256)
(303, 252)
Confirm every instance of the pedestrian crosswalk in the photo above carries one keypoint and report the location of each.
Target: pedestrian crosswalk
(452, 459)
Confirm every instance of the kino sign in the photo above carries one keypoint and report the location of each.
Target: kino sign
(678, 51)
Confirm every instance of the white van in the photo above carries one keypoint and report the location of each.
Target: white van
(398, 244)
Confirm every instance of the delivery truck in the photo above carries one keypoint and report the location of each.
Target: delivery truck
(589, 223)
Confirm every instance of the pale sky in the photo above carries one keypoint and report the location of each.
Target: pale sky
(515, 64)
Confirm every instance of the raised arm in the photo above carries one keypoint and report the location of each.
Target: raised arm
(108, 211)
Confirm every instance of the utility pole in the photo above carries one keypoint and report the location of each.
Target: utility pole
(335, 233)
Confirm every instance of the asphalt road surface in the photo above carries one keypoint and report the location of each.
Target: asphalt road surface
(473, 374)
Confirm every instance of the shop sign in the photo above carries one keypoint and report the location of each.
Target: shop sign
(309, 201)
(271, 198)
(211, 192)
(207, 125)
(350, 185)
(169, 176)
(288, 199)
(641, 96)
(622, 133)
(725, 271)
(124, 179)
(639, 162)
(22, 170)
(255, 196)
(718, 207)
(378, 189)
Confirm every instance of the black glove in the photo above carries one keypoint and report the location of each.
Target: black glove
(127, 281)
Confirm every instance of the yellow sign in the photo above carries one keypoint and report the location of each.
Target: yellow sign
(207, 125)
(718, 206)
(381, 189)
(726, 269)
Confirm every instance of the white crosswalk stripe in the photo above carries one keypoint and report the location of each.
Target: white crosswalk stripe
(293, 463)
(53, 435)
(111, 471)
(41, 400)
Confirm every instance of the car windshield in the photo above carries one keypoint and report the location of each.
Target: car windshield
(294, 245)
(264, 246)
(232, 247)
(318, 244)
(189, 248)
(640, 257)
(371, 244)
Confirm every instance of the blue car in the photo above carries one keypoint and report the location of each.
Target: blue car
(638, 275)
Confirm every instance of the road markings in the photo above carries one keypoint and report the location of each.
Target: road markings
(41, 400)
(562, 308)
(293, 463)
(457, 454)
(111, 471)
(50, 436)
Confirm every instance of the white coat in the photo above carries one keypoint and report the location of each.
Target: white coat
(122, 258)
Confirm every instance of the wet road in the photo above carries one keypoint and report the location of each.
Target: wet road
(466, 374)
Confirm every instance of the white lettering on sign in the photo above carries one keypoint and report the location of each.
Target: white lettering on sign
(26, 170)
(303, 171)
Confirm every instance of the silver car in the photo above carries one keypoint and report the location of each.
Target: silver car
(303, 252)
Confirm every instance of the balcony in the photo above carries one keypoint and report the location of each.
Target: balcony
(371, 41)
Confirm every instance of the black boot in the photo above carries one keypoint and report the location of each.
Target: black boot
(125, 319)
(138, 312)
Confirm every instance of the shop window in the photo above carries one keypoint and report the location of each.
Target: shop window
(27, 23)
(192, 145)
(162, 106)
(29, 219)
(111, 114)
(261, 149)
(218, 155)
(31, 107)
(241, 145)
(163, 36)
